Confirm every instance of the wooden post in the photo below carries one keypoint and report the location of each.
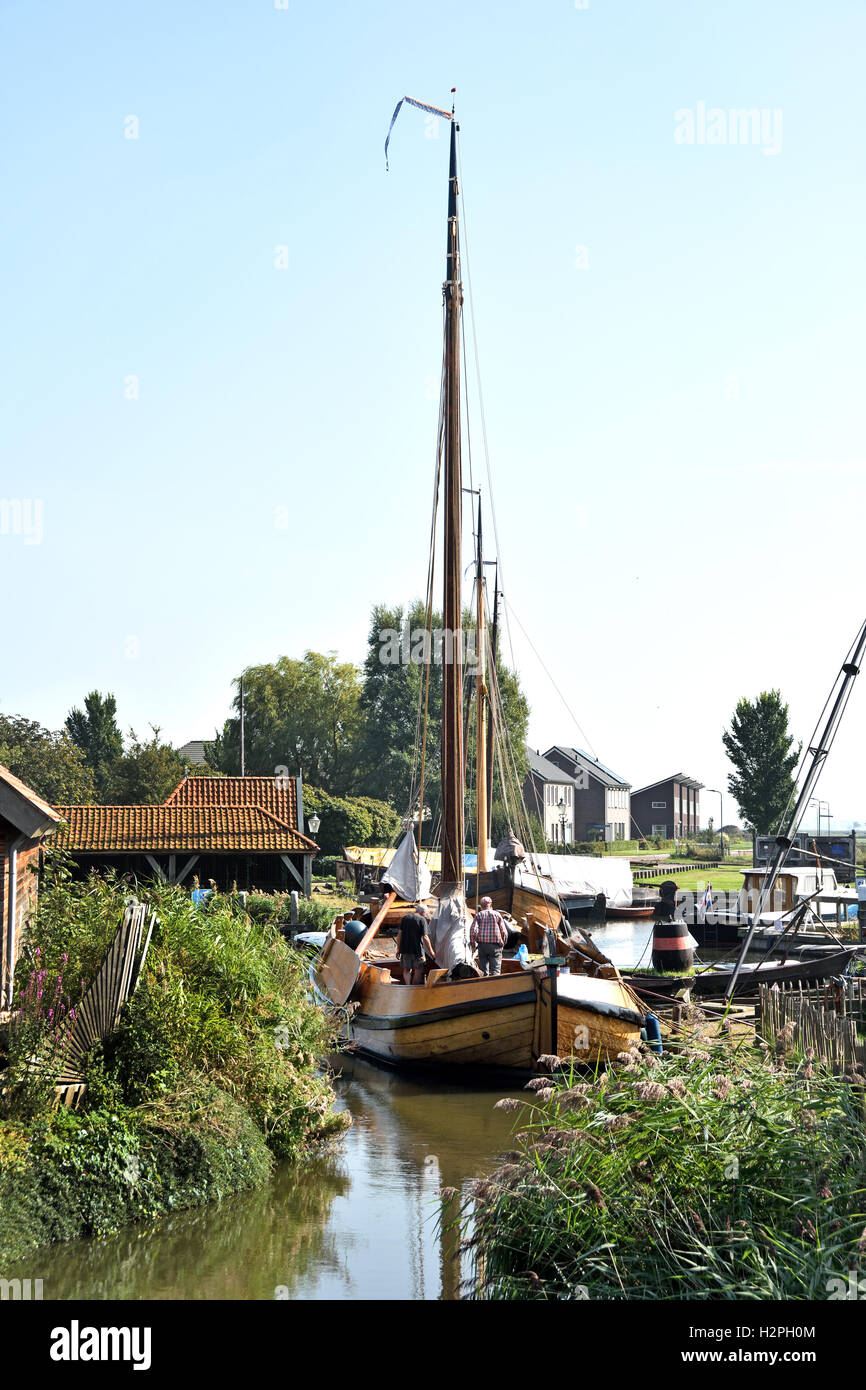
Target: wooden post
(294, 917)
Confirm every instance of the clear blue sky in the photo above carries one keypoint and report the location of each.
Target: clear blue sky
(676, 430)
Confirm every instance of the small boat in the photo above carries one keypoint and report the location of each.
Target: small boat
(714, 981)
(627, 914)
(457, 1018)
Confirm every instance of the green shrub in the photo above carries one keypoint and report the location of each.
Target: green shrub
(212, 1070)
(87, 1175)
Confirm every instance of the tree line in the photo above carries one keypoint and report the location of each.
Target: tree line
(88, 761)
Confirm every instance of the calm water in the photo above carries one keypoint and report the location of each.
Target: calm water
(359, 1223)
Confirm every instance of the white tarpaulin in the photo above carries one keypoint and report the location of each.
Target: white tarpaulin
(450, 928)
(574, 875)
(405, 875)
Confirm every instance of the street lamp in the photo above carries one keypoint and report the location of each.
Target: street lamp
(313, 823)
(561, 809)
(715, 791)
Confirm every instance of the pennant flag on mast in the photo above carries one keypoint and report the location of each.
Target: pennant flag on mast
(422, 106)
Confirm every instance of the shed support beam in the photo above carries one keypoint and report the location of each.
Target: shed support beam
(308, 875)
(293, 871)
(190, 864)
(155, 866)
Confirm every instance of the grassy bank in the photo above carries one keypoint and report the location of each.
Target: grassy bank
(211, 1076)
(717, 1173)
(695, 880)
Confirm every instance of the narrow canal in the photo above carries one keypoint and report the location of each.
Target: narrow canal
(361, 1222)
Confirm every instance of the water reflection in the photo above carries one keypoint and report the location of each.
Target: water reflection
(359, 1223)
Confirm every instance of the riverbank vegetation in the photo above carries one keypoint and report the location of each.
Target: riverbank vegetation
(211, 1076)
(719, 1172)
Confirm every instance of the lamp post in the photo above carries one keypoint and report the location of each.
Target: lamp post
(715, 791)
(561, 809)
(814, 801)
(313, 823)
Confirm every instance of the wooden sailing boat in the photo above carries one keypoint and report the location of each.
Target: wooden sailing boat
(507, 1021)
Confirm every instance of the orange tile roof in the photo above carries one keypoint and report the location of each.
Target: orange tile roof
(278, 795)
(169, 828)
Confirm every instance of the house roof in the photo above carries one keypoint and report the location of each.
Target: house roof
(170, 828)
(663, 781)
(547, 771)
(591, 765)
(22, 808)
(193, 752)
(277, 795)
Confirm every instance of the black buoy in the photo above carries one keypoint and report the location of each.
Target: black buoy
(672, 948)
(353, 932)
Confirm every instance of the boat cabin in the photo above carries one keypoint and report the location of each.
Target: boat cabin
(790, 889)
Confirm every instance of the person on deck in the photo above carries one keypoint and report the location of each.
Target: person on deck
(489, 936)
(412, 942)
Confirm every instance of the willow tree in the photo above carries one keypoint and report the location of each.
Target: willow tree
(302, 715)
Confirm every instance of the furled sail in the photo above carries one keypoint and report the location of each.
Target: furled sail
(409, 879)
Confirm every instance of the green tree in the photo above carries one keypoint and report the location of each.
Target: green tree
(303, 715)
(147, 772)
(760, 747)
(94, 730)
(393, 691)
(47, 762)
(350, 820)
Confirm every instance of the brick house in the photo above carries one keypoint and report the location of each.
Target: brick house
(670, 808)
(602, 800)
(244, 830)
(25, 821)
(548, 793)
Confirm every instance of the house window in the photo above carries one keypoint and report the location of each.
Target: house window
(660, 806)
(660, 830)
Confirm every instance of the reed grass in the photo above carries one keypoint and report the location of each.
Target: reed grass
(719, 1173)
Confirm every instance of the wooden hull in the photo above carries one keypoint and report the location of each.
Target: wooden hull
(626, 914)
(472, 1023)
(596, 1019)
(501, 1024)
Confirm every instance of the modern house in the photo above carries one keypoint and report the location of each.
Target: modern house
(244, 830)
(602, 806)
(548, 793)
(25, 821)
(670, 808)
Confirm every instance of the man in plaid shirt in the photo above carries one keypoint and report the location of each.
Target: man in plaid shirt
(489, 935)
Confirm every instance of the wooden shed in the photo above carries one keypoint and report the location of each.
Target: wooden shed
(25, 821)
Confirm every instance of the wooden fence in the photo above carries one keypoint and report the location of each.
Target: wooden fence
(99, 1011)
(823, 1019)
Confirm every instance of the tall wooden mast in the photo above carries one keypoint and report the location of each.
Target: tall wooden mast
(491, 685)
(452, 692)
(482, 771)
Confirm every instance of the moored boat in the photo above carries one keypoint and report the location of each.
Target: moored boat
(714, 981)
(458, 1018)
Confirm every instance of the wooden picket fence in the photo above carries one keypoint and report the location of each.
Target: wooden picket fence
(824, 1019)
(98, 1014)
